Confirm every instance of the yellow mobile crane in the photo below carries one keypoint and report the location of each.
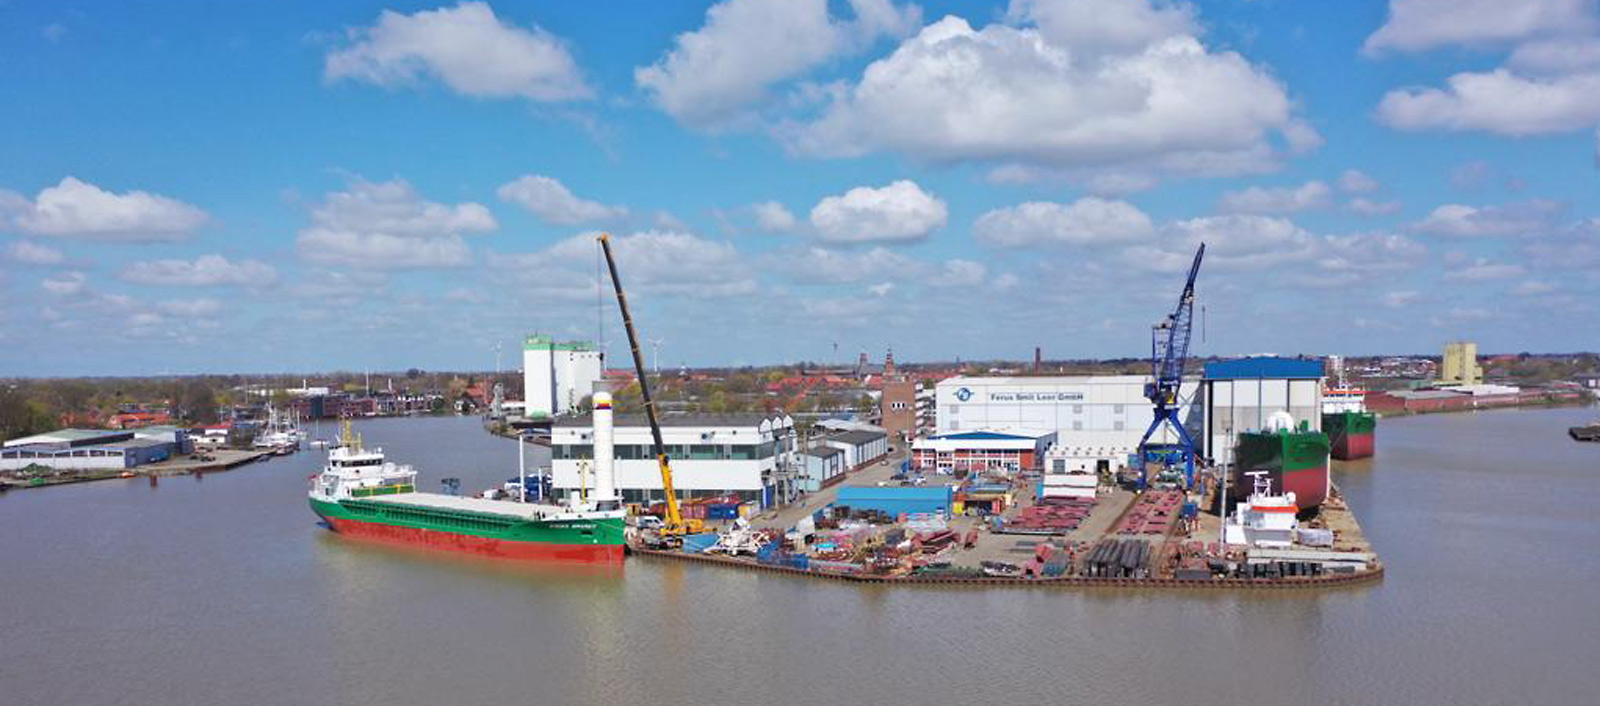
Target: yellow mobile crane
(674, 527)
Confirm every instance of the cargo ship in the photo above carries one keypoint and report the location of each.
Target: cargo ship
(361, 494)
(1284, 459)
(1351, 429)
(1350, 434)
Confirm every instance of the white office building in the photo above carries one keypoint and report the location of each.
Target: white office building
(712, 454)
(1096, 419)
(557, 377)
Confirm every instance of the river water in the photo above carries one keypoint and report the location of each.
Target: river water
(223, 590)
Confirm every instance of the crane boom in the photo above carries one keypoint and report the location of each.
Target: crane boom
(674, 519)
(1169, 353)
(1171, 358)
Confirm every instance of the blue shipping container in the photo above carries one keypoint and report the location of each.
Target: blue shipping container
(901, 500)
(699, 543)
(725, 511)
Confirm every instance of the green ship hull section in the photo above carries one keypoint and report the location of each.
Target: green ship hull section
(604, 531)
(1353, 423)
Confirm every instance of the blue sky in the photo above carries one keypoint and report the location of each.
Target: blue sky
(263, 187)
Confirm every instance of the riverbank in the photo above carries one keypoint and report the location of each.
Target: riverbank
(216, 460)
(1544, 401)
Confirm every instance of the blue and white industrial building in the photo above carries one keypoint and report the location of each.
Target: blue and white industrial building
(93, 449)
(1098, 418)
(1242, 394)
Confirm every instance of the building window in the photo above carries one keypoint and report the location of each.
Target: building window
(1077, 425)
(1116, 409)
(1077, 409)
(572, 451)
(704, 452)
(1117, 425)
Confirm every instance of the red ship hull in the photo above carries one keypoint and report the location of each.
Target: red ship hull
(480, 546)
(1353, 446)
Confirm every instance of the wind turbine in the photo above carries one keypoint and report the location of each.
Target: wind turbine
(655, 353)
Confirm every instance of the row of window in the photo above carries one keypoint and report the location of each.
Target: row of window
(79, 453)
(691, 452)
(635, 496)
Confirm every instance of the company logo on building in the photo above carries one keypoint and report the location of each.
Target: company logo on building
(963, 394)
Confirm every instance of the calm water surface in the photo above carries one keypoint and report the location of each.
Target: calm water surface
(222, 590)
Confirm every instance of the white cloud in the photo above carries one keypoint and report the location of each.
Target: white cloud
(1018, 95)
(1350, 260)
(1471, 175)
(467, 47)
(1482, 270)
(190, 307)
(651, 261)
(1533, 287)
(1093, 28)
(1256, 199)
(665, 220)
(773, 217)
(78, 209)
(1233, 242)
(29, 253)
(1087, 221)
(1550, 83)
(65, 285)
(881, 289)
(204, 271)
(1357, 182)
(815, 265)
(1556, 55)
(1462, 221)
(1415, 25)
(898, 212)
(1369, 207)
(962, 273)
(712, 75)
(388, 225)
(554, 203)
(381, 250)
(1400, 298)
(462, 295)
(1498, 101)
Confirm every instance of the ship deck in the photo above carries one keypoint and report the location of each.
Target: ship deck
(503, 508)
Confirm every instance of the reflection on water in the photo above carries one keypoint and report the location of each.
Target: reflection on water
(224, 590)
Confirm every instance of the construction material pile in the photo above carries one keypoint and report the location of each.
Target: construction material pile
(1155, 513)
(1049, 561)
(1118, 558)
(1049, 516)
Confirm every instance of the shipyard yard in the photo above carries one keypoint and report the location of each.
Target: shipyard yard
(1458, 505)
(793, 352)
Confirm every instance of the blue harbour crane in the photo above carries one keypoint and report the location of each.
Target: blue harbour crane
(1169, 351)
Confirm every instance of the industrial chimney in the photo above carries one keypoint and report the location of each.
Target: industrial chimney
(605, 474)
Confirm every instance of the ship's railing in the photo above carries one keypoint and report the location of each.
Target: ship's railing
(382, 490)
